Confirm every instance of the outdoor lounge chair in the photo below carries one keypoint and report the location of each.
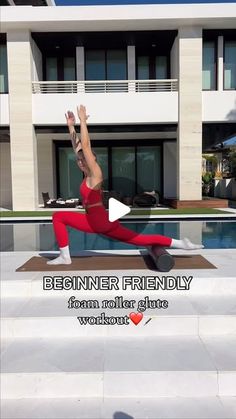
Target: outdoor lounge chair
(147, 199)
(58, 203)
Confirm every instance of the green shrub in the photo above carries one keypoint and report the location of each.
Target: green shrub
(207, 177)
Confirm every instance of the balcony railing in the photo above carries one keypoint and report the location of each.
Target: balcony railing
(107, 86)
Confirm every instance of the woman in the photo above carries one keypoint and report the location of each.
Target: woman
(96, 218)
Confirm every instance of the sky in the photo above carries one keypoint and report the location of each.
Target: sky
(120, 2)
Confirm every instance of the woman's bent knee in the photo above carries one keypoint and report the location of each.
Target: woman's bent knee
(57, 216)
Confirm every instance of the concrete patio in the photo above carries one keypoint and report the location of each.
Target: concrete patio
(181, 364)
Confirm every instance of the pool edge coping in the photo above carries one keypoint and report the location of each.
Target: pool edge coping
(174, 217)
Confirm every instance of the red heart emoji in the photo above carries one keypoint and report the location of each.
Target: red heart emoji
(136, 317)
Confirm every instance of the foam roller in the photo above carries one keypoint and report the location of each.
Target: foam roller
(162, 259)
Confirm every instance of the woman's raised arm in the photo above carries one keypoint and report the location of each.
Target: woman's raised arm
(76, 143)
(86, 144)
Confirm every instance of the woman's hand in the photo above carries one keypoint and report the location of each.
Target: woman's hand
(70, 119)
(81, 111)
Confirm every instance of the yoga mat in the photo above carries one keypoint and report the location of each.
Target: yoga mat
(114, 262)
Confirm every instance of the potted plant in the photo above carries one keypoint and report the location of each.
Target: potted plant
(207, 182)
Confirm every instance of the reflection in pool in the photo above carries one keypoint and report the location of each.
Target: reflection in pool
(35, 237)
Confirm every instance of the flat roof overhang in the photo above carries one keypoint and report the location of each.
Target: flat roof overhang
(118, 18)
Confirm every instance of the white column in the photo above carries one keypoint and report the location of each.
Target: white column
(80, 68)
(131, 62)
(22, 134)
(131, 66)
(189, 139)
(220, 63)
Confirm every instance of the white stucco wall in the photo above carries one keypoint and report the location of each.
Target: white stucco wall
(118, 17)
(108, 108)
(219, 106)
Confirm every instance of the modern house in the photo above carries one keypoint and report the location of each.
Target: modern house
(158, 81)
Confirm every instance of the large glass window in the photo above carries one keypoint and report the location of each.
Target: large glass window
(69, 68)
(105, 65)
(51, 69)
(116, 65)
(230, 65)
(70, 176)
(209, 66)
(60, 68)
(143, 68)
(149, 168)
(123, 170)
(95, 67)
(161, 67)
(133, 169)
(3, 69)
(102, 159)
(152, 67)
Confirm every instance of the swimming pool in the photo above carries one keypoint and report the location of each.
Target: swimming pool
(40, 236)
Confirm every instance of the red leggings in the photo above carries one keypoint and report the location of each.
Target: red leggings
(96, 221)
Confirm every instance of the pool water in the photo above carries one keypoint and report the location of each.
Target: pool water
(40, 236)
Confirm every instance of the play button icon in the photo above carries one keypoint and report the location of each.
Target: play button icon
(116, 209)
(118, 198)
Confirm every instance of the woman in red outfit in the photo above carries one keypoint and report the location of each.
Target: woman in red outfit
(96, 218)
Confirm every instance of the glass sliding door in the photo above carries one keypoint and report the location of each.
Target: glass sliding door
(95, 68)
(123, 170)
(60, 69)
(230, 65)
(152, 66)
(102, 159)
(105, 64)
(209, 66)
(51, 69)
(161, 67)
(116, 65)
(70, 176)
(69, 68)
(143, 67)
(149, 168)
(127, 170)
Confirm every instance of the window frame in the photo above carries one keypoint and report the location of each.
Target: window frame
(60, 66)
(109, 145)
(105, 50)
(3, 41)
(214, 40)
(226, 39)
(152, 55)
